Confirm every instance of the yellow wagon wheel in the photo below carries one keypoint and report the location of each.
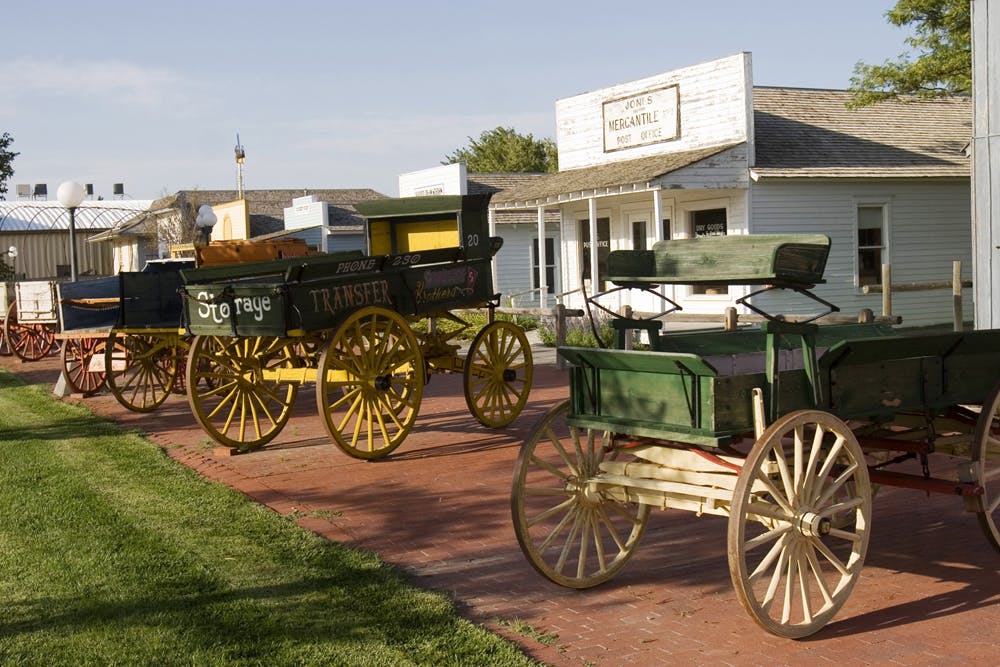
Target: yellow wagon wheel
(574, 529)
(141, 369)
(497, 374)
(28, 342)
(799, 523)
(986, 466)
(77, 356)
(235, 391)
(370, 383)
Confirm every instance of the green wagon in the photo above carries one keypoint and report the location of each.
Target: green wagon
(785, 429)
(344, 323)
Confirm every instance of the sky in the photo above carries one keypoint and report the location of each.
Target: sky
(330, 94)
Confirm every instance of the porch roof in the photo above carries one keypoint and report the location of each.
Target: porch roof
(606, 179)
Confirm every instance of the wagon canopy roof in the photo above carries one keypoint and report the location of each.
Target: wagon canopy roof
(414, 206)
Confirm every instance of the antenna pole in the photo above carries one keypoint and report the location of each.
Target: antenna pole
(241, 157)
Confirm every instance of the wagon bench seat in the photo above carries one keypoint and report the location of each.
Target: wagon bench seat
(750, 259)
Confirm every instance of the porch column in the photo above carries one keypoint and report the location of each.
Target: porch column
(592, 213)
(491, 225)
(658, 215)
(543, 287)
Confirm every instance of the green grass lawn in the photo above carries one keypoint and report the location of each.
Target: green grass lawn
(111, 553)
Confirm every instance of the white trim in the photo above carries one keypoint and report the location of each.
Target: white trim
(871, 202)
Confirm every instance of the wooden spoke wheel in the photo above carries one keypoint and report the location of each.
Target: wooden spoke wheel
(573, 530)
(28, 342)
(799, 523)
(497, 374)
(986, 466)
(370, 383)
(141, 369)
(77, 357)
(235, 391)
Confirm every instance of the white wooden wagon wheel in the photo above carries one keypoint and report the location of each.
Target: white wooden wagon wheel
(573, 530)
(800, 523)
(370, 382)
(497, 374)
(986, 465)
(235, 391)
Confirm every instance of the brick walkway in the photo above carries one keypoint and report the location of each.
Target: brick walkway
(439, 509)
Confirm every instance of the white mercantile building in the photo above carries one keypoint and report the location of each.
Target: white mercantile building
(701, 150)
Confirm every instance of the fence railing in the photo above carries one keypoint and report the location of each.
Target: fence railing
(956, 284)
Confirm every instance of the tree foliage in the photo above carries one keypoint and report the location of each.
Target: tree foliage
(943, 64)
(6, 162)
(504, 150)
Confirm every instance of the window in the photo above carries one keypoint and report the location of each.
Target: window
(550, 265)
(639, 235)
(666, 229)
(871, 243)
(603, 250)
(709, 222)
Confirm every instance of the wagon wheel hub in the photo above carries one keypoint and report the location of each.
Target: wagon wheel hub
(587, 493)
(509, 375)
(811, 524)
(383, 382)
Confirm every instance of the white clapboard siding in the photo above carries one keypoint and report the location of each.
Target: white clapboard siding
(512, 264)
(713, 103)
(728, 169)
(930, 227)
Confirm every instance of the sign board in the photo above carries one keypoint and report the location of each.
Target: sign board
(649, 117)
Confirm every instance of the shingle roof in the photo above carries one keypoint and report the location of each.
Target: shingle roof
(267, 207)
(616, 176)
(800, 132)
(809, 132)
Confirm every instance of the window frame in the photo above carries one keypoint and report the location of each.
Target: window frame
(884, 248)
(550, 269)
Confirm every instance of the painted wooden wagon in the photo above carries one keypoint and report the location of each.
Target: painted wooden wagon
(123, 332)
(32, 319)
(783, 429)
(346, 323)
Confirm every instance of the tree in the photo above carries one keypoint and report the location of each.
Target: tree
(6, 160)
(943, 66)
(504, 150)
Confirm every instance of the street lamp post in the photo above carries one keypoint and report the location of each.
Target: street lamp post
(70, 195)
(12, 253)
(204, 222)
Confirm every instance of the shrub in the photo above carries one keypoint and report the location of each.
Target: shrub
(475, 320)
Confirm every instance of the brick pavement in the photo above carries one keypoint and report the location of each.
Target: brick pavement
(439, 509)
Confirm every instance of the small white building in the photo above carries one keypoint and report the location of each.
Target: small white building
(701, 150)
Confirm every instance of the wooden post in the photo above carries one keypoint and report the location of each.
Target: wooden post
(956, 294)
(866, 316)
(559, 312)
(887, 289)
(731, 319)
(627, 333)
